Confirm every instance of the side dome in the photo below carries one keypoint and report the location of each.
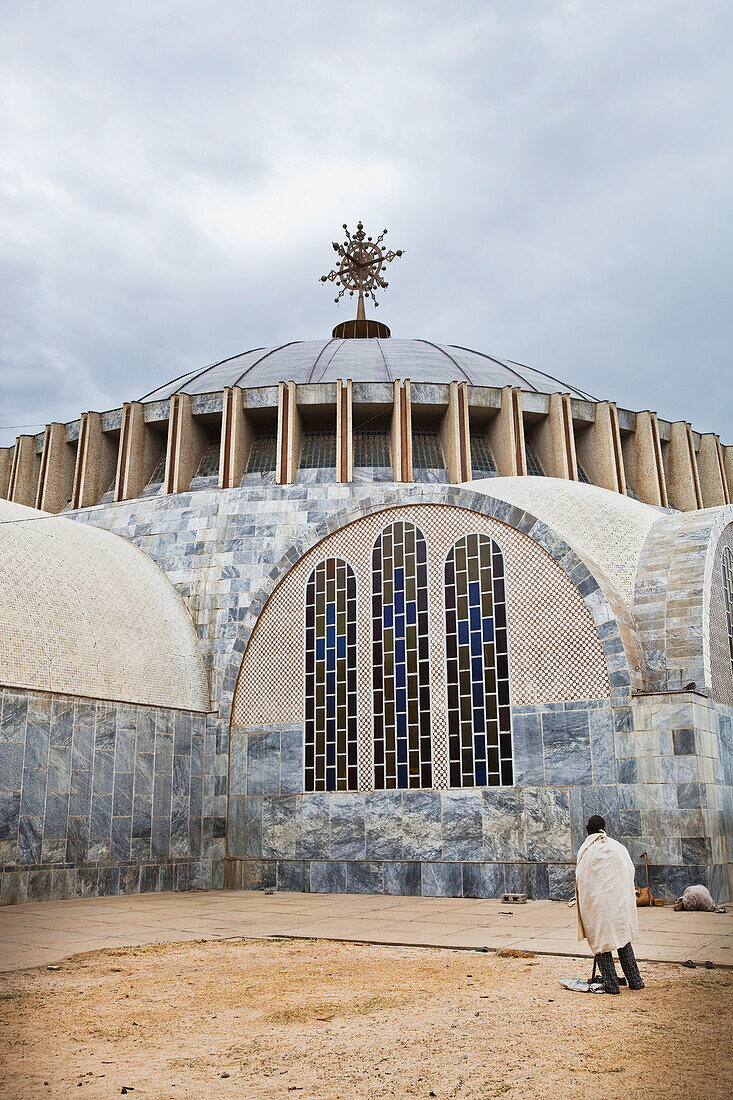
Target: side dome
(608, 528)
(373, 360)
(86, 613)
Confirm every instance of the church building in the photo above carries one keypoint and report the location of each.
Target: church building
(365, 615)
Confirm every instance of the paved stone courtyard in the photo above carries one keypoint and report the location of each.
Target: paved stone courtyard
(42, 933)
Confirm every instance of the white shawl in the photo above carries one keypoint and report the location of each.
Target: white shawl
(604, 889)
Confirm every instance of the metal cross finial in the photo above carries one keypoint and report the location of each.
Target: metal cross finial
(361, 266)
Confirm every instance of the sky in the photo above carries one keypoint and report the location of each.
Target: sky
(558, 173)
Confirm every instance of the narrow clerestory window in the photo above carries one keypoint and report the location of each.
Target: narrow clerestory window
(400, 659)
(331, 761)
(477, 655)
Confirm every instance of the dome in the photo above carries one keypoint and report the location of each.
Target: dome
(373, 360)
(85, 613)
(604, 527)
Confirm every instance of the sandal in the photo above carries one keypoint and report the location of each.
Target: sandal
(689, 964)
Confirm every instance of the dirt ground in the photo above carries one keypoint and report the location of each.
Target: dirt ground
(284, 1018)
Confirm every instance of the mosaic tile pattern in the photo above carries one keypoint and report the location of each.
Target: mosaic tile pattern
(560, 655)
(400, 659)
(479, 716)
(318, 451)
(65, 626)
(606, 529)
(330, 678)
(727, 564)
(720, 628)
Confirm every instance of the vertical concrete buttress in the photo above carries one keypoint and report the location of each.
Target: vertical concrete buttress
(56, 476)
(344, 432)
(139, 451)
(236, 439)
(187, 441)
(401, 431)
(24, 472)
(643, 460)
(96, 462)
(713, 481)
(599, 451)
(289, 434)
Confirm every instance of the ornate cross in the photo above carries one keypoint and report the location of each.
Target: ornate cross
(361, 266)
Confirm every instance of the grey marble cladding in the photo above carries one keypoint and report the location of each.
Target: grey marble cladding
(98, 793)
(660, 768)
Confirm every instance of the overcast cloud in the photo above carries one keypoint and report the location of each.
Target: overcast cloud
(558, 173)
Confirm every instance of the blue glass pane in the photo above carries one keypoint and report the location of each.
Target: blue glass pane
(330, 667)
(475, 566)
(399, 640)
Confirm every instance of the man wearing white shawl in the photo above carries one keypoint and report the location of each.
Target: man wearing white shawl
(606, 904)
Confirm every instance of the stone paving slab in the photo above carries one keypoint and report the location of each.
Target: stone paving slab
(40, 933)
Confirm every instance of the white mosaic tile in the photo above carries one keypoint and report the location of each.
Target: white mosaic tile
(555, 652)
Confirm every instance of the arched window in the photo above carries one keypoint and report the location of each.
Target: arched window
(479, 719)
(728, 595)
(400, 661)
(330, 678)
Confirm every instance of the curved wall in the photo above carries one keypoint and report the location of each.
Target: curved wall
(85, 613)
(555, 652)
(721, 623)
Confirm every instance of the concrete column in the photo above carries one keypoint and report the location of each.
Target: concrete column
(344, 432)
(24, 472)
(599, 451)
(401, 431)
(187, 440)
(713, 481)
(236, 439)
(96, 462)
(728, 467)
(6, 465)
(643, 460)
(454, 436)
(56, 478)
(140, 448)
(683, 482)
(289, 434)
(554, 440)
(506, 435)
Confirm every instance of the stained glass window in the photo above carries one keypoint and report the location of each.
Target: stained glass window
(477, 653)
(400, 659)
(330, 678)
(728, 594)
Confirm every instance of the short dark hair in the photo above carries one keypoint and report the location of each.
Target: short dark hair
(595, 824)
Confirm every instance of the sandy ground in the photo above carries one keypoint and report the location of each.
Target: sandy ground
(283, 1018)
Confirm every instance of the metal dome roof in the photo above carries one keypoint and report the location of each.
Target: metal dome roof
(372, 360)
